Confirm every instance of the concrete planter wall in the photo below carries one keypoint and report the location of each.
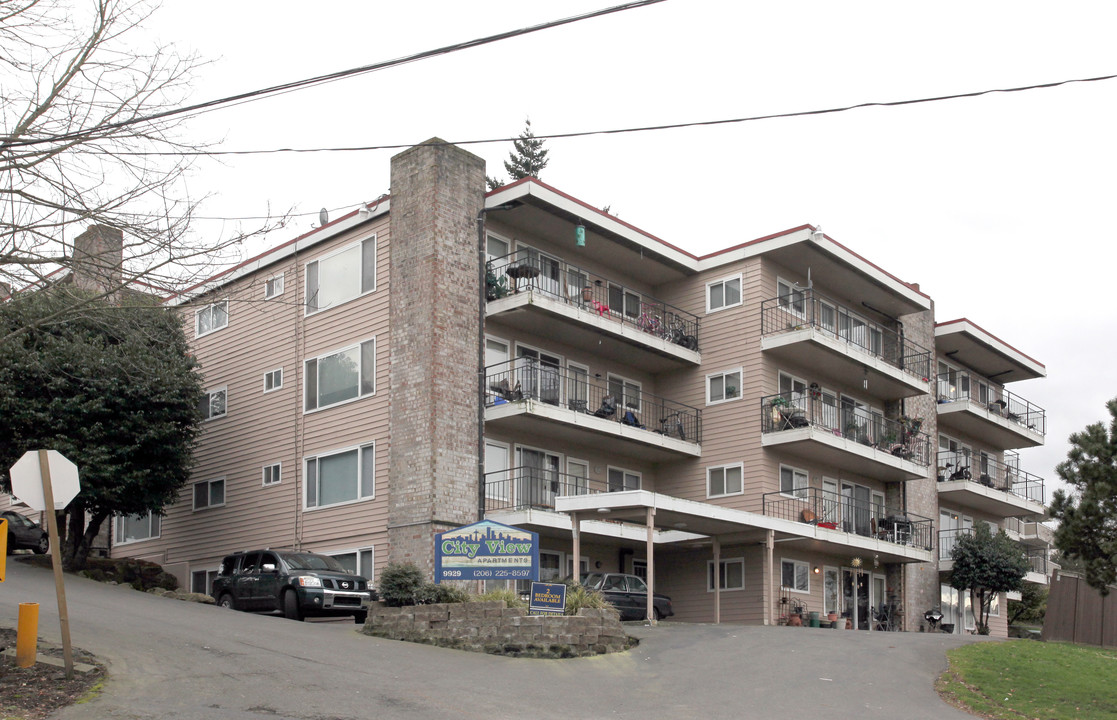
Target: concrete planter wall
(493, 628)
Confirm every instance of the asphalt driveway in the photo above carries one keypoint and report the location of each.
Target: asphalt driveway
(171, 659)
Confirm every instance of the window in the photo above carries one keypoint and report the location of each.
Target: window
(793, 482)
(620, 480)
(273, 287)
(340, 477)
(273, 379)
(994, 601)
(210, 493)
(213, 403)
(723, 294)
(273, 474)
(341, 376)
(796, 575)
(731, 577)
(211, 318)
(791, 297)
(640, 569)
(496, 247)
(626, 392)
(132, 528)
(201, 581)
(830, 590)
(624, 301)
(722, 481)
(341, 276)
(723, 386)
(358, 562)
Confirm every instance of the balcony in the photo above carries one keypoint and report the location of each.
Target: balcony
(1036, 557)
(851, 522)
(1037, 566)
(810, 329)
(994, 487)
(571, 409)
(539, 295)
(983, 410)
(1036, 534)
(813, 426)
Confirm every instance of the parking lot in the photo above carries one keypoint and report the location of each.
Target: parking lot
(172, 659)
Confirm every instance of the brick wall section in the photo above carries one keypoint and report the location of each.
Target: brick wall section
(98, 254)
(494, 628)
(921, 581)
(436, 195)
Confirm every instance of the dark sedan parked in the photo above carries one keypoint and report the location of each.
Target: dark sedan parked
(25, 534)
(629, 595)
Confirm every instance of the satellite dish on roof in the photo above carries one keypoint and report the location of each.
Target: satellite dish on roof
(323, 217)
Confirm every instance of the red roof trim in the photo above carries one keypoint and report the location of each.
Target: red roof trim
(971, 322)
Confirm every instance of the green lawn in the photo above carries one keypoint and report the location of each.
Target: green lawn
(1027, 679)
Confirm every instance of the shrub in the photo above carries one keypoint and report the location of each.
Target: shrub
(451, 594)
(510, 597)
(401, 584)
(578, 596)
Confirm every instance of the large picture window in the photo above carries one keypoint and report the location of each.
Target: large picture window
(341, 276)
(132, 528)
(341, 376)
(722, 481)
(210, 318)
(732, 574)
(341, 477)
(723, 294)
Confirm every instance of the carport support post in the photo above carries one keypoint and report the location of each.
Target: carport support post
(717, 581)
(651, 565)
(770, 546)
(576, 533)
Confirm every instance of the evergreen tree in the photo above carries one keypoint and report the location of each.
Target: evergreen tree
(113, 389)
(1087, 532)
(986, 564)
(528, 160)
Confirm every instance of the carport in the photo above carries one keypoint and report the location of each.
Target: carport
(665, 512)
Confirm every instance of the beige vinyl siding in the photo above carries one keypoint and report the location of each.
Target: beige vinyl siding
(266, 428)
(684, 580)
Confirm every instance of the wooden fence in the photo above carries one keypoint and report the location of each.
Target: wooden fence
(1078, 613)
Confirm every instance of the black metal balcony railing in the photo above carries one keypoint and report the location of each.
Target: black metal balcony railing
(807, 309)
(988, 396)
(1036, 557)
(527, 378)
(525, 487)
(792, 410)
(838, 512)
(607, 298)
(990, 472)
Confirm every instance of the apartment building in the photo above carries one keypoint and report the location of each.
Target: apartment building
(772, 426)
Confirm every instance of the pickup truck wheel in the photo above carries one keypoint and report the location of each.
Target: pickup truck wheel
(226, 601)
(291, 609)
(360, 618)
(43, 546)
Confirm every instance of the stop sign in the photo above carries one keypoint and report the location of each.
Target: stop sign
(27, 482)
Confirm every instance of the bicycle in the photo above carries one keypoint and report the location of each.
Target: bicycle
(650, 324)
(677, 334)
(669, 429)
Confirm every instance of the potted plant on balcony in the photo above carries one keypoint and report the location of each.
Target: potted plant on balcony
(495, 287)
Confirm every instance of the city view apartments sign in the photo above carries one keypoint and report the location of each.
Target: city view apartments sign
(486, 550)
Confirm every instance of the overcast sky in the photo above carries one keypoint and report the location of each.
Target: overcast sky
(999, 206)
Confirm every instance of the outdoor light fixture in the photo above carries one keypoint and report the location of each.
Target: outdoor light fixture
(580, 235)
(817, 570)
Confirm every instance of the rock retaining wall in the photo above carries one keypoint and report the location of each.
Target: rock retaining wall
(494, 628)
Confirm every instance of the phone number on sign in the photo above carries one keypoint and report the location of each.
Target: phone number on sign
(476, 574)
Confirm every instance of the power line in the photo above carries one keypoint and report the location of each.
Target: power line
(648, 128)
(321, 79)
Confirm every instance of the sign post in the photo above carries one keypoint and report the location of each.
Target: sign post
(31, 483)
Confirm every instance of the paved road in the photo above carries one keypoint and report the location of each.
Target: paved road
(174, 660)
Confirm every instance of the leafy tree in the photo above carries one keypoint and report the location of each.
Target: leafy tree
(1031, 607)
(118, 398)
(986, 564)
(1087, 532)
(82, 140)
(528, 160)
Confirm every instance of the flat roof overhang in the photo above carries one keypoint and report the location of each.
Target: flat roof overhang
(704, 520)
(975, 348)
(535, 312)
(584, 429)
(1000, 503)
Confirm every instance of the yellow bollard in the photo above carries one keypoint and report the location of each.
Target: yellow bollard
(27, 634)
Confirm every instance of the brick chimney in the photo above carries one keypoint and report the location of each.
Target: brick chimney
(98, 257)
